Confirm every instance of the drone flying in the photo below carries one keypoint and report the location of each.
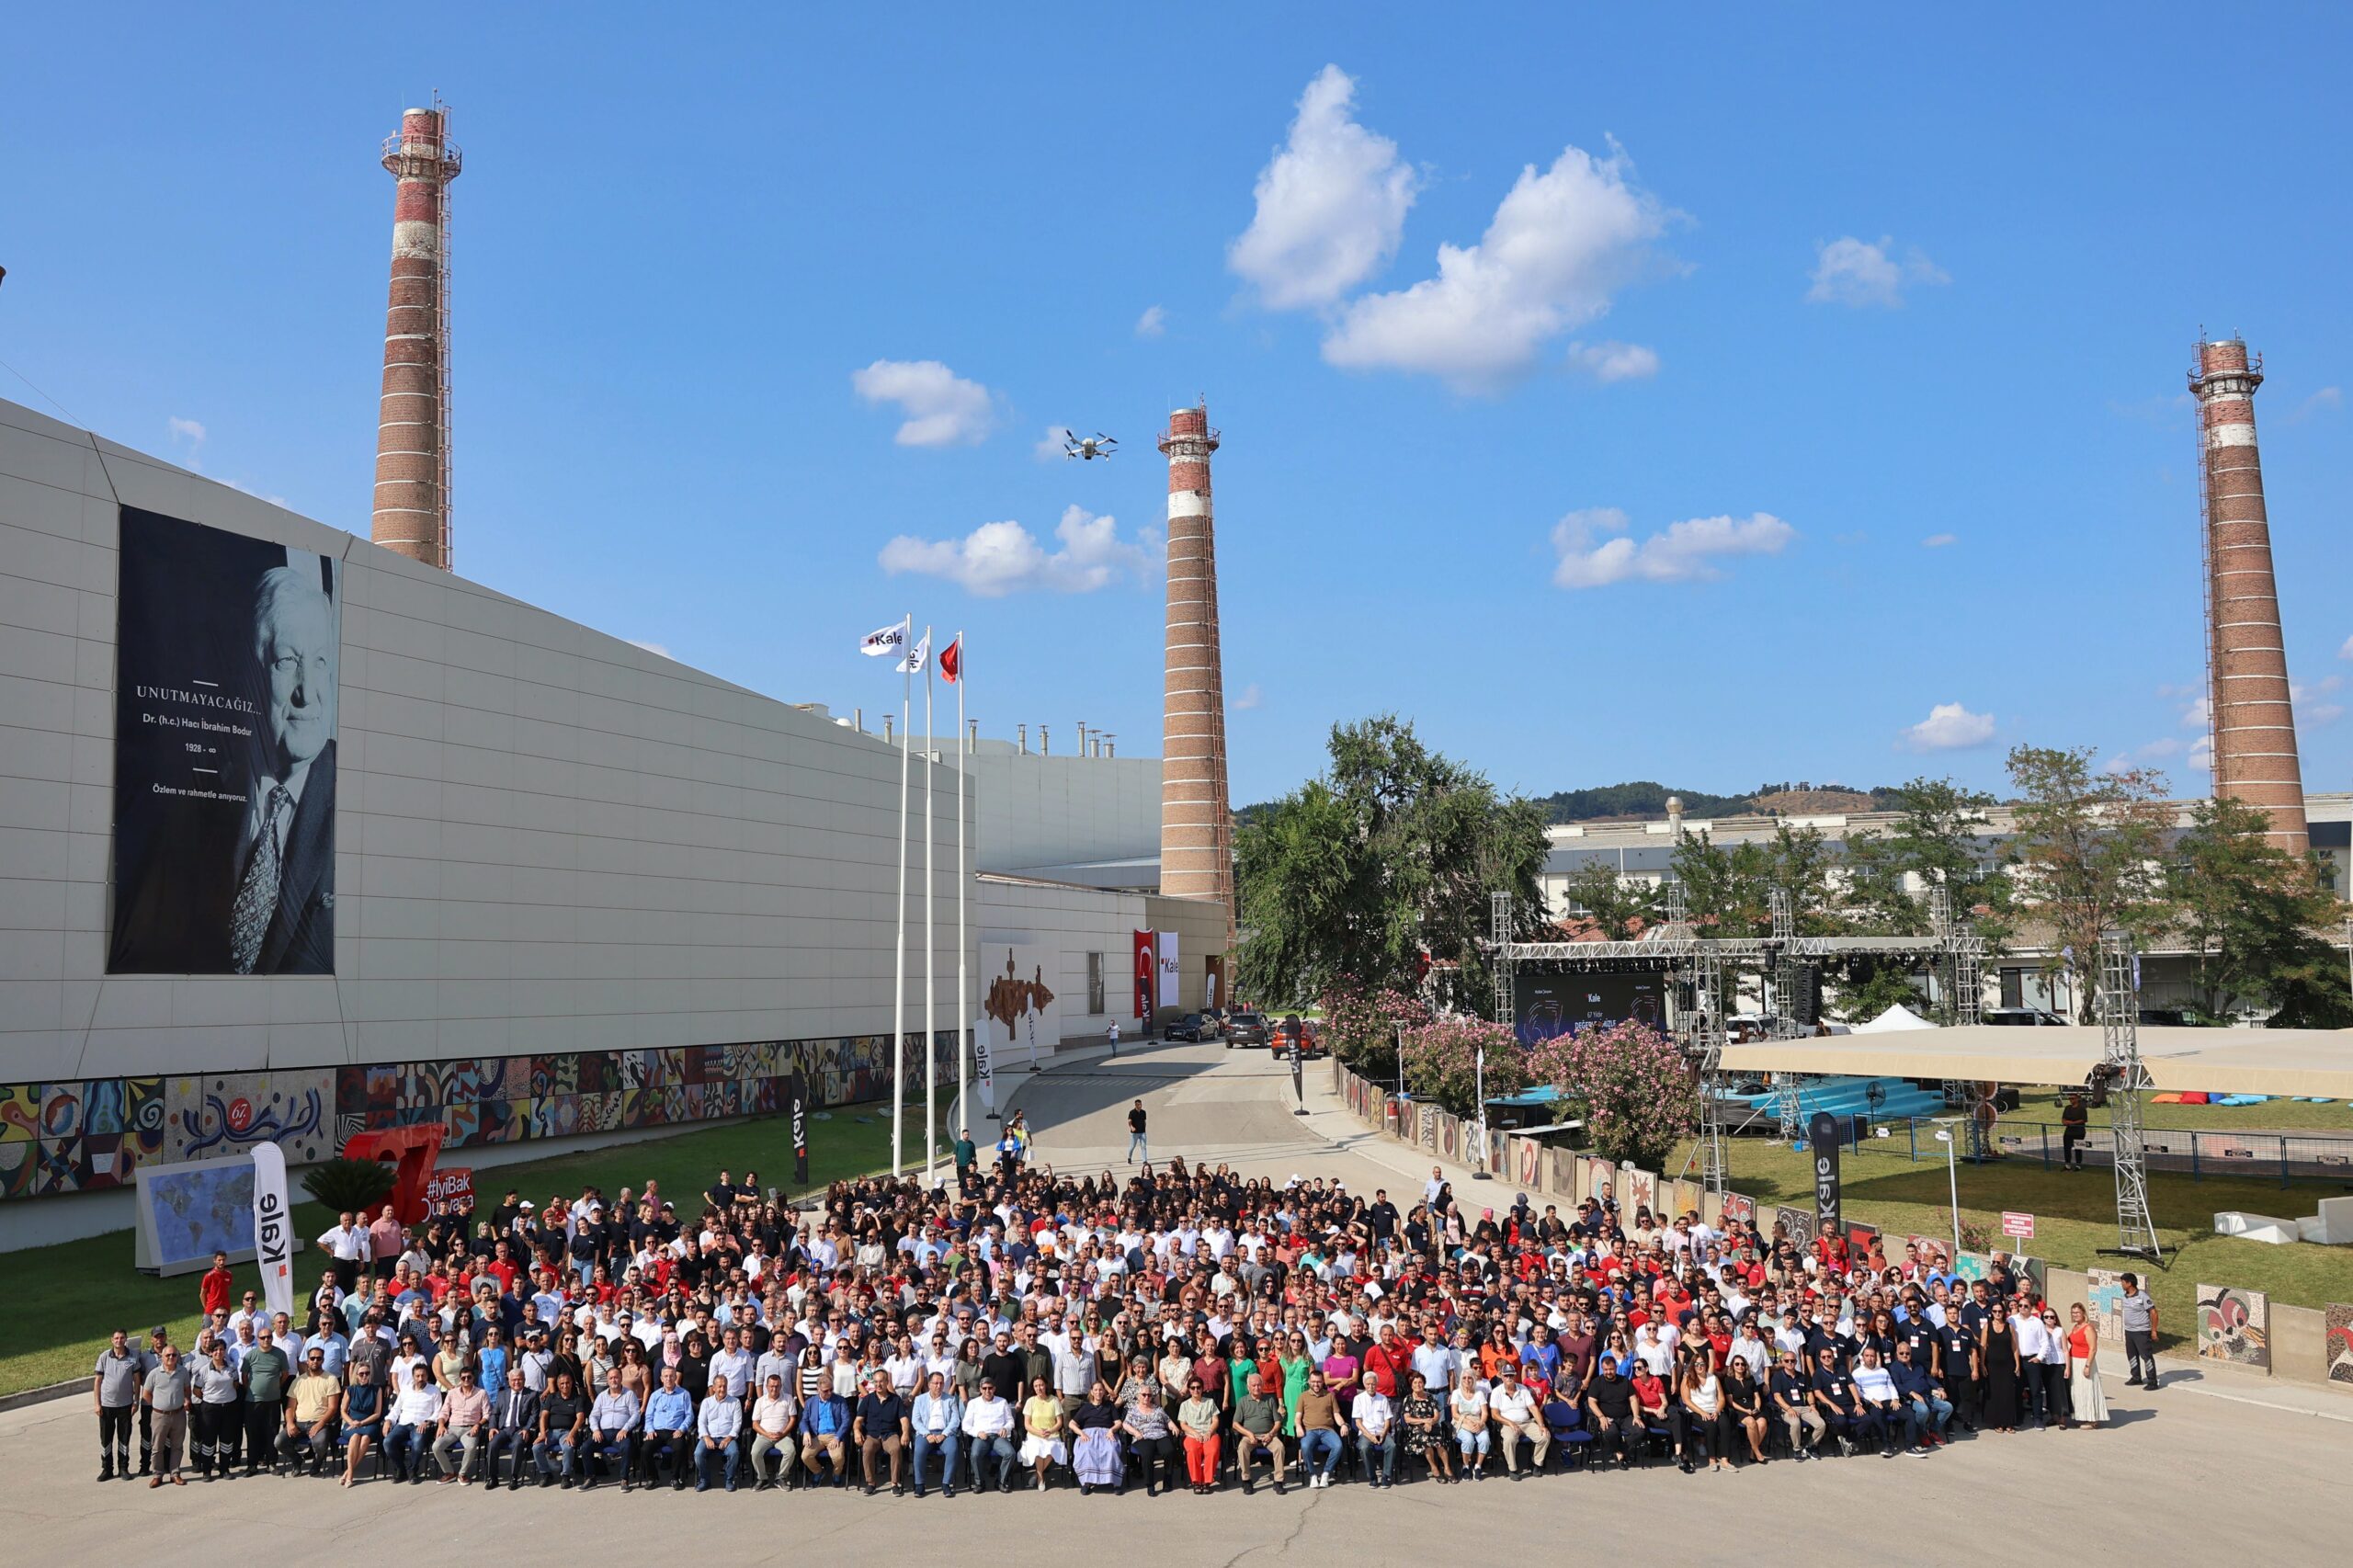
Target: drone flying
(1088, 447)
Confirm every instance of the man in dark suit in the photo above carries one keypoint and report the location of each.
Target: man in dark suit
(514, 1425)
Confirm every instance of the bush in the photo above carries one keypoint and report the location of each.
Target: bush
(348, 1185)
(1442, 1062)
(1636, 1093)
(1360, 1025)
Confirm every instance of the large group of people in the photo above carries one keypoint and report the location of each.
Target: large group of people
(1171, 1326)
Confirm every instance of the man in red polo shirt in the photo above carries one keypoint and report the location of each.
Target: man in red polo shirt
(214, 1288)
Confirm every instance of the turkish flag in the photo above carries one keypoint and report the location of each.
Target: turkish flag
(951, 661)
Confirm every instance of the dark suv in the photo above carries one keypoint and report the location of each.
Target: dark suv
(1245, 1028)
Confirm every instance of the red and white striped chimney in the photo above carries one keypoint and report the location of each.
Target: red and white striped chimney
(2253, 721)
(1196, 831)
(411, 509)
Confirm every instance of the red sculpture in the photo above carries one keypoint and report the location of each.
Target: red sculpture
(414, 1152)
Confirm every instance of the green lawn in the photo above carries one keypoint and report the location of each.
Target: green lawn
(2075, 1216)
(64, 1300)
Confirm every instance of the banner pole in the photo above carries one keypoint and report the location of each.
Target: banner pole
(899, 968)
(930, 935)
(964, 888)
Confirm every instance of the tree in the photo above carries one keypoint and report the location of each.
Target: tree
(1872, 986)
(1394, 851)
(1732, 889)
(1360, 1025)
(1619, 909)
(348, 1185)
(1628, 1083)
(2091, 847)
(1935, 839)
(2251, 912)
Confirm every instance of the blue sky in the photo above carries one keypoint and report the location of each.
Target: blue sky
(1820, 292)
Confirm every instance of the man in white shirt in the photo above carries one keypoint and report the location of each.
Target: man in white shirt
(1516, 1416)
(1437, 1361)
(775, 1416)
(1375, 1420)
(1882, 1406)
(2034, 1345)
(988, 1435)
(718, 1424)
(347, 1242)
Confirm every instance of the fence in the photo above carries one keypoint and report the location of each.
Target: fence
(2287, 1158)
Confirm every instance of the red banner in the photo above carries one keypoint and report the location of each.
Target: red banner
(1146, 972)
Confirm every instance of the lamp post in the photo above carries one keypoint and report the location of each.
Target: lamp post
(1953, 1182)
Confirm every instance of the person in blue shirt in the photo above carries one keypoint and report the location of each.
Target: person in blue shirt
(494, 1359)
(1925, 1406)
(612, 1430)
(669, 1432)
(825, 1427)
(1541, 1355)
(938, 1432)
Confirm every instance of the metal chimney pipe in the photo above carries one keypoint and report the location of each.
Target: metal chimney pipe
(1021, 732)
(886, 726)
(1043, 749)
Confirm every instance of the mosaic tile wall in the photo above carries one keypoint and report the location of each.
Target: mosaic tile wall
(91, 1134)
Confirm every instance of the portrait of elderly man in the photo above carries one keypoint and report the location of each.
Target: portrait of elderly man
(281, 920)
(225, 753)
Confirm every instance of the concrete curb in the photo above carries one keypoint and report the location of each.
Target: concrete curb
(24, 1397)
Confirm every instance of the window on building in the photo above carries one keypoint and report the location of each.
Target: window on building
(2014, 988)
(1095, 982)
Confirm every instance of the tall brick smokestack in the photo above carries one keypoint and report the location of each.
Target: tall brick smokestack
(2254, 725)
(412, 513)
(1196, 830)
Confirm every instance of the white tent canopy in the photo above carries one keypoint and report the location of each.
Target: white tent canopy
(1896, 1017)
(2241, 1061)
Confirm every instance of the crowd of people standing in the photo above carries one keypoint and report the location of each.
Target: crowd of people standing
(1174, 1325)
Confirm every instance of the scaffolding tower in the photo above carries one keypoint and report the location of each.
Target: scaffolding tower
(2126, 1080)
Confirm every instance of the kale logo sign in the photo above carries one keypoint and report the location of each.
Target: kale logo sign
(1823, 1132)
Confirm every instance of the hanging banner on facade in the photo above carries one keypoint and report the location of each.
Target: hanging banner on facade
(801, 1129)
(224, 753)
(1147, 973)
(1167, 990)
(273, 1229)
(1822, 1132)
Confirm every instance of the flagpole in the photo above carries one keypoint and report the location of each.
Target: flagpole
(930, 932)
(963, 881)
(899, 969)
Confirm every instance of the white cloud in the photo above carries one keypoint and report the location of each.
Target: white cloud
(2346, 652)
(655, 649)
(996, 559)
(185, 431)
(2325, 398)
(1949, 727)
(943, 409)
(2309, 702)
(1561, 244)
(1614, 361)
(2164, 745)
(1595, 550)
(1937, 542)
(1054, 443)
(1850, 271)
(2202, 755)
(1153, 323)
(1331, 204)
(1249, 698)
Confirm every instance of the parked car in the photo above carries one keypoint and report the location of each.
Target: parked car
(2022, 1017)
(1245, 1028)
(1294, 1034)
(1193, 1027)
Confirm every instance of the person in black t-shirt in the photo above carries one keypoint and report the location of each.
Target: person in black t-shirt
(562, 1420)
(1792, 1399)
(1609, 1401)
(880, 1430)
(1834, 1397)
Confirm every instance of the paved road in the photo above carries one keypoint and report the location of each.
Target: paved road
(2184, 1475)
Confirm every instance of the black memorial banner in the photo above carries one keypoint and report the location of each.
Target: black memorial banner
(224, 753)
